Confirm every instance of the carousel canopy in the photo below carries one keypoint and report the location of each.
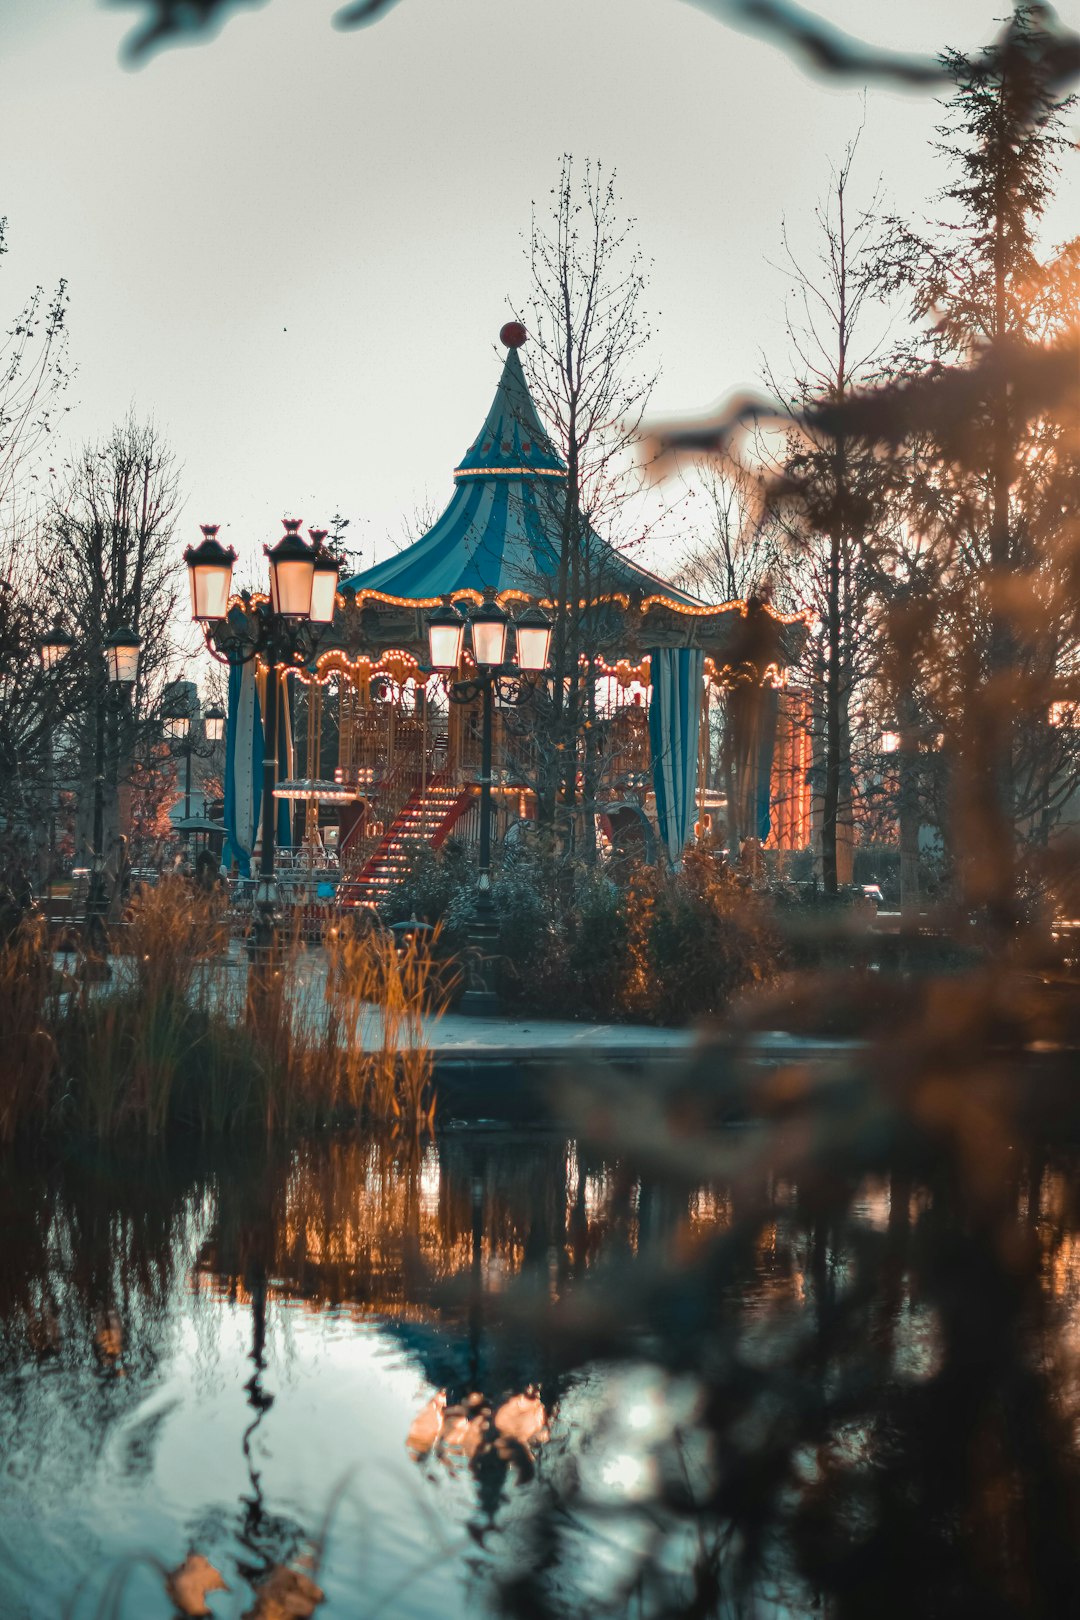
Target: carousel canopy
(501, 530)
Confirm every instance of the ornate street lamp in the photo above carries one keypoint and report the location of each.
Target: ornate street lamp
(122, 656)
(53, 648)
(489, 624)
(292, 573)
(446, 632)
(214, 723)
(55, 645)
(121, 652)
(210, 567)
(176, 721)
(283, 633)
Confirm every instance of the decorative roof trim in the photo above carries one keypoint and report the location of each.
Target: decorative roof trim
(462, 473)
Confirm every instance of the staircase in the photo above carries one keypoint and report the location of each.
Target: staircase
(427, 817)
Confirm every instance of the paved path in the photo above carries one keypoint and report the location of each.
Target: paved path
(458, 1039)
(458, 1034)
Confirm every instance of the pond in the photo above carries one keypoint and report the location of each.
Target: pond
(197, 1350)
(242, 1354)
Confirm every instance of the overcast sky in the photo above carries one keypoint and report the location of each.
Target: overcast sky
(295, 246)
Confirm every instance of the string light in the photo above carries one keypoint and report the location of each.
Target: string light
(586, 602)
(694, 610)
(403, 666)
(396, 664)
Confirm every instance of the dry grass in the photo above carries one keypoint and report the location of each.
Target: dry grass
(169, 1042)
(29, 1067)
(373, 985)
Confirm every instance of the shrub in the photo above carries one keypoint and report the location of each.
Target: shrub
(432, 890)
(695, 939)
(532, 930)
(665, 948)
(598, 935)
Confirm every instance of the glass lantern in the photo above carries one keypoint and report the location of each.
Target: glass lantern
(292, 573)
(533, 640)
(214, 722)
(176, 724)
(325, 583)
(489, 625)
(55, 646)
(122, 656)
(446, 631)
(210, 566)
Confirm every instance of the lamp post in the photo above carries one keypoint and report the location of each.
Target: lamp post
(177, 725)
(121, 654)
(489, 625)
(53, 648)
(285, 631)
(214, 723)
(55, 645)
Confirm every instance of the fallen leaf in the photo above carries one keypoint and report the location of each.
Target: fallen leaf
(286, 1594)
(522, 1418)
(188, 1584)
(426, 1426)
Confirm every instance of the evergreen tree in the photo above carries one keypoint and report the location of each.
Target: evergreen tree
(993, 488)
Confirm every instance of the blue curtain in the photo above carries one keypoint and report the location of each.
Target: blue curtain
(769, 708)
(752, 719)
(243, 766)
(674, 722)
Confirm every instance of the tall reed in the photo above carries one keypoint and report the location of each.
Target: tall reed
(29, 1066)
(127, 1044)
(175, 937)
(377, 994)
(359, 1049)
(182, 1034)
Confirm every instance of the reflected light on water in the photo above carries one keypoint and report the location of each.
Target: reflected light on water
(627, 1475)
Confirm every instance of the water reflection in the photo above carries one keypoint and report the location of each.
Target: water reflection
(197, 1348)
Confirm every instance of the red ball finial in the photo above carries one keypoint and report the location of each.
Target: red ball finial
(513, 335)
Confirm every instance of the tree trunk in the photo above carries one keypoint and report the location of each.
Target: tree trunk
(907, 762)
(831, 795)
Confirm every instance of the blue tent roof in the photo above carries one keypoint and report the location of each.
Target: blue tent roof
(501, 529)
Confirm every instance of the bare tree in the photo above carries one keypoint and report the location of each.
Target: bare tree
(739, 547)
(34, 375)
(839, 486)
(586, 368)
(116, 565)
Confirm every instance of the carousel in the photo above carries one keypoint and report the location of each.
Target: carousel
(380, 729)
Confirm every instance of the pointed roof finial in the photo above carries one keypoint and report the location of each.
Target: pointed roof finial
(501, 531)
(513, 441)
